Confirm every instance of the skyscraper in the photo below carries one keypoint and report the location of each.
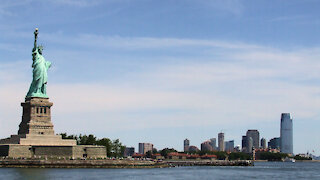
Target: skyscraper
(186, 144)
(249, 144)
(244, 144)
(205, 146)
(221, 141)
(255, 135)
(213, 143)
(229, 146)
(286, 134)
(263, 144)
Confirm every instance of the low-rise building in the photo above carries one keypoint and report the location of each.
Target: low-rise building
(157, 156)
(138, 156)
(209, 156)
(176, 155)
(194, 157)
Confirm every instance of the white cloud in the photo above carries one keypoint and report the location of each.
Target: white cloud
(201, 90)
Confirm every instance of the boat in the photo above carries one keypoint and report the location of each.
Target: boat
(289, 160)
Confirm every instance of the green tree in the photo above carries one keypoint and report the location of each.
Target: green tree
(91, 140)
(149, 154)
(272, 156)
(164, 152)
(154, 151)
(83, 139)
(221, 155)
(63, 135)
(117, 149)
(239, 155)
(114, 148)
(302, 158)
(107, 143)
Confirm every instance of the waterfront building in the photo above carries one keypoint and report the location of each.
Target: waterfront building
(221, 141)
(145, 147)
(186, 144)
(229, 146)
(128, 151)
(205, 146)
(286, 134)
(255, 135)
(263, 144)
(274, 143)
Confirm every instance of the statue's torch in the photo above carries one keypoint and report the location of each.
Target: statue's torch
(36, 33)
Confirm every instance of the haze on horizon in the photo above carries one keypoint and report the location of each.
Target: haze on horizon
(163, 71)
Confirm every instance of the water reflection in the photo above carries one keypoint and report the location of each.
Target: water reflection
(32, 173)
(262, 170)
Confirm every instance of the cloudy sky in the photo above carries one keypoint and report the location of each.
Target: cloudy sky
(162, 71)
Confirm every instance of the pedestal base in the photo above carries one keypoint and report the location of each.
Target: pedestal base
(38, 140)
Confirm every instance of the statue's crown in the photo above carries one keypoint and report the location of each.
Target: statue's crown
(40, 47)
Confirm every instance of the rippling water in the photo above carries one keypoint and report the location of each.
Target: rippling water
(261, 170)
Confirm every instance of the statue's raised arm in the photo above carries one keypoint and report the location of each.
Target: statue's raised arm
(35, 39)
(38, 87)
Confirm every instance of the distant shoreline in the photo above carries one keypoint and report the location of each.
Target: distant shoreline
(307, 160)
(108, 163)
(281, 161)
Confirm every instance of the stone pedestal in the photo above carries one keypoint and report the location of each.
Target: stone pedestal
(36, 136)
(36, 127)
(36, 117)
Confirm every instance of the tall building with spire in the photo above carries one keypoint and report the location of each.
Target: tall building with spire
(286, 134)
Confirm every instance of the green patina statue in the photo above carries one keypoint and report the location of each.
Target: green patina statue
(38, 87)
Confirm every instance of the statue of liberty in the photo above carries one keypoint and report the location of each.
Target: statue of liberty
(38, 87)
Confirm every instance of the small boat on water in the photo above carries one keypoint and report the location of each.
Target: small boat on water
(289, 160)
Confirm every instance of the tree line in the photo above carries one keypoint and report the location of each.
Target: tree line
(114, 147)
(221, 155)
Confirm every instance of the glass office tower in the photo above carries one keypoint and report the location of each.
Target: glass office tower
(286, 134)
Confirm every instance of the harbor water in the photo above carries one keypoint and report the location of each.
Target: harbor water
(261, 170)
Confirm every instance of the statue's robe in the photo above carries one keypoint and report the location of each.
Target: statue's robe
(40, 77)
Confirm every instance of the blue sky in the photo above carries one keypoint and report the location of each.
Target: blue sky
(163, 71)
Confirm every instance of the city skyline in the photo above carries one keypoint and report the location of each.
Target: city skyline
(163, 71)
